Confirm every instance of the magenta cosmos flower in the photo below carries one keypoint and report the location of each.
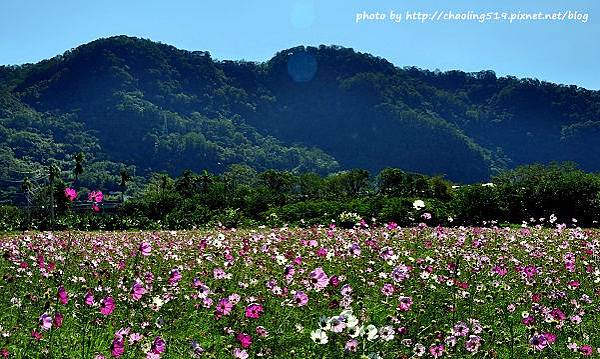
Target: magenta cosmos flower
(58, 320)
(63, 296)
(107, 305)
(159, 345)
(254, 311)
(96, 196)
(70, 194)
(118, 346)
(244, 339)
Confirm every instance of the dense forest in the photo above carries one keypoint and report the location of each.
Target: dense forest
(142, 107)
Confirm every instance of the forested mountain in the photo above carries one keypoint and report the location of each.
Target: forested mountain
(126, 101)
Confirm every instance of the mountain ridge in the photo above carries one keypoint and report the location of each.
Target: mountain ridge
(135, 102)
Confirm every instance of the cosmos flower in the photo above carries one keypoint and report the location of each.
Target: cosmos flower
(436, 351)
(240, 353)
(405, 304)
(158, 345)
(300, 298)
(145, 249)
(117, 348)
(63, 296)
(538, 342)
(319, 336)
(224, 307)
(175, 277)
(351, 345)
(46, 321)
(58, 320)
(70, 194)
(107, 305)
(254, 311)
(319, 279)
(244, 339)
(88, 299)
(137, 290)
(95, 196)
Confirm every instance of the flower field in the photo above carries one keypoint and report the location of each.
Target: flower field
(322, 292)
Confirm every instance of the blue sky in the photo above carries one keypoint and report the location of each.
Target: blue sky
(563, 52)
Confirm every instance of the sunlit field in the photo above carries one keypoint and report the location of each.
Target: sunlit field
(323, 292)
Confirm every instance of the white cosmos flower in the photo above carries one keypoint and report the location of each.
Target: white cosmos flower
(371, 332)
(387, 333)
(356, 331)
(351, 321)
(319, 336)
(324, 323)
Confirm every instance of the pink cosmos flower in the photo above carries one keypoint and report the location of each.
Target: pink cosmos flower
(351, 345)
(436, 351)
(36, 335)
(473, 343)
(88, 299)
(70, 194)
(224, 307)
(254, 311)
(134, 338)
(240, 353)
(46, 321)
(63, 296)
(586, 350)
(538, 342)
(405, 304)
(300, 298)
(175, 277)
(261, 331)
(145, 249)
(319, 279)
(137, 290)
(107, 305)
(387, 289)
(550, 338)
(460, 329)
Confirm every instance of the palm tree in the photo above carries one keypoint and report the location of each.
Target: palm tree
(53, 173)
(78, 169)
(26, 187)
(124, 179)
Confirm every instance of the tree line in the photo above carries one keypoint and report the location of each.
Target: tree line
(241, 196)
